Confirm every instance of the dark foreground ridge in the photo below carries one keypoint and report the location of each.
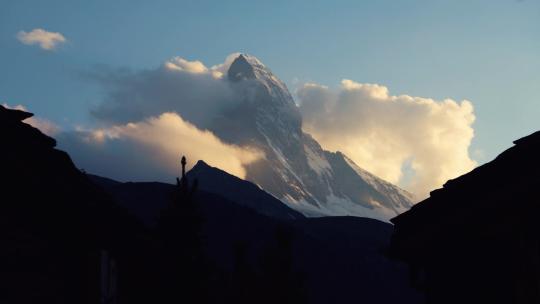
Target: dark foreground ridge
(335, 257)
(476, 240)
(70, 237)
(57, 227)
(247, 194)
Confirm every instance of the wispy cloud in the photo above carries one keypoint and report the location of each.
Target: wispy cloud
(46, 40)
(199, 93)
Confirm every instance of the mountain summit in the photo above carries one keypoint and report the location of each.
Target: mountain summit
(296, 169)
(241, 68)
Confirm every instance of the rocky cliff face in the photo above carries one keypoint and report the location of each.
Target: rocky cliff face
(296, 169)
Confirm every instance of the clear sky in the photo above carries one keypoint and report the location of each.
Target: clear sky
(487, 52)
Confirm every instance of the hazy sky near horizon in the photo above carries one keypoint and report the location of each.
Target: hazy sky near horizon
(487, 52)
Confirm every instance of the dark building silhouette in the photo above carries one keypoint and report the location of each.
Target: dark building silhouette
(477, 240)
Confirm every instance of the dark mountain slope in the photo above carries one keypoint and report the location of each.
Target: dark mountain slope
(68, 241)
(54, 222)
(339, 259)
(349, 262)
(477, 238)
(210, 180)
(245, 193)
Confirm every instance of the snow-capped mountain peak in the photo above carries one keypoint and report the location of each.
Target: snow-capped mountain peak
(296, 169)
(242, 68)
(247, 67)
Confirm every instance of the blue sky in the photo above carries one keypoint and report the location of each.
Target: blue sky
(487, 52)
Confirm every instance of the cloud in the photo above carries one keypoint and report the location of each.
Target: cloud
(140, 136)
(199, 93)
(181, 64)
(151, 149)
(392, 135)
(46, 126)
(46, 40)
(416, 142)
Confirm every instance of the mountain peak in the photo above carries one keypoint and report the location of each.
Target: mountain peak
(243, 67)
(201, 167)
(247, 67)
(252, 60)
(201, 163)
(217, 181)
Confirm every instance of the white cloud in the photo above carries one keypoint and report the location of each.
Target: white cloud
(197, 67)
(222, 68)
(151, 149)
(384, 133)
(181, 64)
(46, 40)
(46, 126)
(139, 136)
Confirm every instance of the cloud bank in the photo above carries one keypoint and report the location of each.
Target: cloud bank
(46, 40)
(416, 142)
(199, 93)
(392, 135)
(149, 118)
(151, 149)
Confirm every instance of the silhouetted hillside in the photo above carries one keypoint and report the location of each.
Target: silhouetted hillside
(339, 259)
(56, 225)
(247, 194)
(66, 240)
(211, 180)
(477, 239)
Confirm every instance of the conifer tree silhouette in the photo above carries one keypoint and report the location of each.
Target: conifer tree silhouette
(179, 230)
(183, 192)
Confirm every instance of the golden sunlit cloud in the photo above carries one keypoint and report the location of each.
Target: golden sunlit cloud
(46, 40)
(181, 64)
(165, 138)
(384, 133)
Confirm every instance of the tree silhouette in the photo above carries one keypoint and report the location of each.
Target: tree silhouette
(182, 268)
